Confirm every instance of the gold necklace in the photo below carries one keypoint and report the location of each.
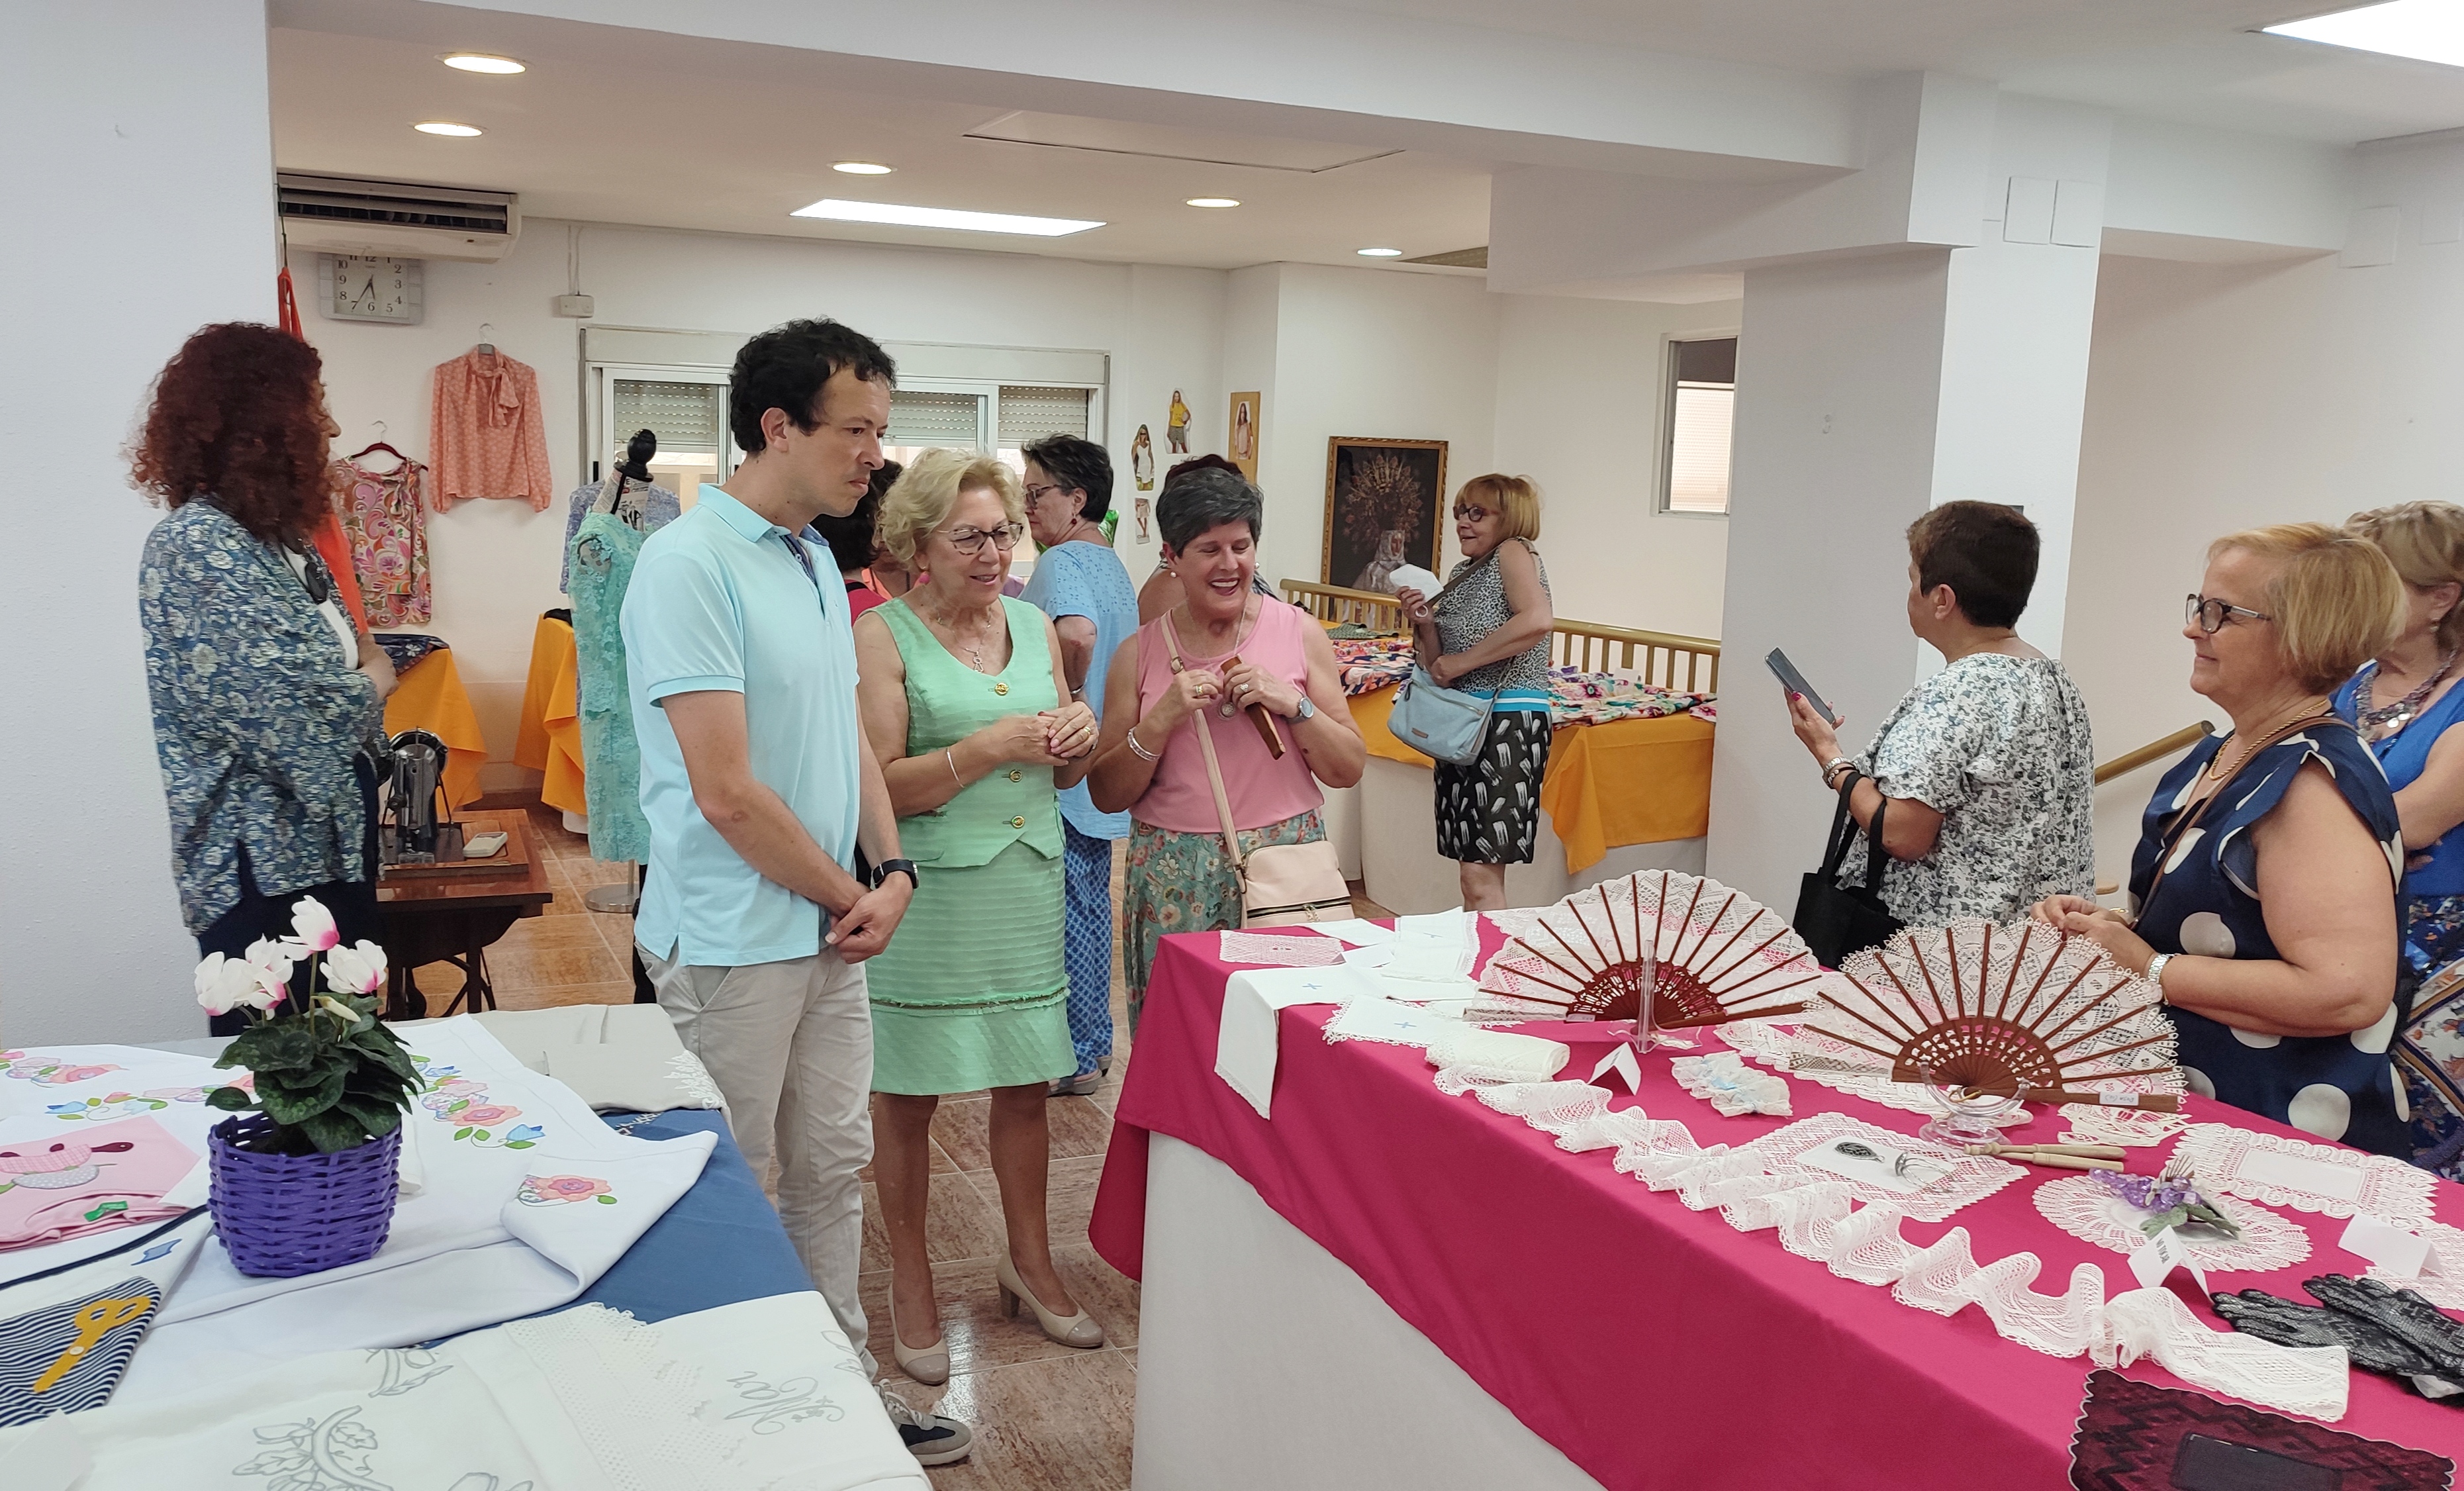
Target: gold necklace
(2243, 753)
(974, 649)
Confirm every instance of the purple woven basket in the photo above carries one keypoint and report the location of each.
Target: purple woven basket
(282, 1216)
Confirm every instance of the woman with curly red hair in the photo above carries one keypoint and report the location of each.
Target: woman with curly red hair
(266, 700)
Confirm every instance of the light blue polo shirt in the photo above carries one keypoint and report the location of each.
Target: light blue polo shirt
(719, 600)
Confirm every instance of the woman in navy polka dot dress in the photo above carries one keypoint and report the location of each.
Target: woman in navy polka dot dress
(2264, 890)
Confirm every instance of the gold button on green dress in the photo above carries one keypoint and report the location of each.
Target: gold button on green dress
(972, 991)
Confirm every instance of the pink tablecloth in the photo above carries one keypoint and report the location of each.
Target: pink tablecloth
(1654, 1346)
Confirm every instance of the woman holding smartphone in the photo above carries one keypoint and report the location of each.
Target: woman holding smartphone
(1985, 765)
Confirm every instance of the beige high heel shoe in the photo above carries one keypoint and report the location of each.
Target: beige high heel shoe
(1078, 1330)
(928, 1365)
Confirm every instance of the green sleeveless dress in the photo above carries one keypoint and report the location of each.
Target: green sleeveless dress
(972, 991)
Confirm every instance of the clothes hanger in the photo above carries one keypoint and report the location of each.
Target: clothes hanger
(487, 348)
(379, 444)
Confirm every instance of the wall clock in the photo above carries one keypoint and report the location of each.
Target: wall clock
(359, 287)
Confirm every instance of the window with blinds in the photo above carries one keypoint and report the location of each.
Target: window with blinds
(690, 419)
(1701, 416)
(922, 417)
(1029, 414)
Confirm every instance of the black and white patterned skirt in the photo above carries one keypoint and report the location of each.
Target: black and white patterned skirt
(1488, 812)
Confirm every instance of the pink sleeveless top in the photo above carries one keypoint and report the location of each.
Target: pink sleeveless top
(1261, 789)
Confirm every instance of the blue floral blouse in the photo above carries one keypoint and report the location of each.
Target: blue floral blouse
(2339, 1088)
(256, 715)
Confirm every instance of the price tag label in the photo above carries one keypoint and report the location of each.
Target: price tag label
(2156, 1260)
(1618, 1069)
(2397, 1253)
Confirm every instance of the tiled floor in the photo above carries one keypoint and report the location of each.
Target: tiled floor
(1046, 1415)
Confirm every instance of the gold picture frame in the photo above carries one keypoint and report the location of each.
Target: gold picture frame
(1244, 424)
(1385, 501)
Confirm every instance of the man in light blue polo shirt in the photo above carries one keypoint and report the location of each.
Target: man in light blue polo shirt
(759, 788)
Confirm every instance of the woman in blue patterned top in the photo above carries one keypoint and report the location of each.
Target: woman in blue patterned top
(264, 697)
(2264, 890)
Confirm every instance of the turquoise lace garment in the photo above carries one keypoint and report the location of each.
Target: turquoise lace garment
(604, 550)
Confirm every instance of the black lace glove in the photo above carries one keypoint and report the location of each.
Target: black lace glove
(2257, 1312)
(2400, 1314)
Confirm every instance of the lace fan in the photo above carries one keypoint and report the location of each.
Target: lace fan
(2024, 1011)
(1721, 956)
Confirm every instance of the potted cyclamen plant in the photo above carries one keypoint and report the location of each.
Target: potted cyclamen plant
(306, 1180)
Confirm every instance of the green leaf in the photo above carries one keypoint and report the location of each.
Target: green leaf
(480, 1133)
(333, 1133)
(605, 1201)
(519, 1144)
(277, 1046)
(462, 1133)
(230, 1100)
(2158, 1223)
(290, 1103)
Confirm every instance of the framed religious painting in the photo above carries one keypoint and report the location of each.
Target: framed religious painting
(1382, 509)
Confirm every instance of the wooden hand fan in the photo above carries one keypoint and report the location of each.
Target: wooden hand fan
(2020, 1009)
(1719, 954)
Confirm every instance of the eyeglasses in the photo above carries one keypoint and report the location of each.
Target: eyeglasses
(1471, 514)
(2209, 615)
(1036, 494)
(972, 540)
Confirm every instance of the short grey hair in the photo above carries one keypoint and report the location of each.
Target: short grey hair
(1204, 499)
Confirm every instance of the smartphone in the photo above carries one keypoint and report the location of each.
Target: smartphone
(1795, 683)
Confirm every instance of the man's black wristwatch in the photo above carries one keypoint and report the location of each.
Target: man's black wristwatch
(889, 867)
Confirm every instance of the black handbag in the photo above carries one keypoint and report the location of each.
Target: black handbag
(1835, 922)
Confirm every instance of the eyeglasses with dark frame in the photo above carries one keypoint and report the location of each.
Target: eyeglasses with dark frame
(1471, 514)
(2209, 615)
(1038, 491)
(970, 542)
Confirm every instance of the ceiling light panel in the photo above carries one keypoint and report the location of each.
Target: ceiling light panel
(447, 127)
(900, 215)
(483, 62)
(863, 169)
(2427, 30)
(1379, 253)
(1215, 202)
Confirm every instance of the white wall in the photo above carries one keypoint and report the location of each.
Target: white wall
(91, 944)
(493, 564)
(2224, 397)
(1580, 404)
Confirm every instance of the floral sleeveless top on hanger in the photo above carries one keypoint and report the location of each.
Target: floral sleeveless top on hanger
(389, 533)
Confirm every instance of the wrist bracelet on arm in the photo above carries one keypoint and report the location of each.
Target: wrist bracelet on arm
(1834, 766)
(2155, 973)
(954, 768)
(1139, 750)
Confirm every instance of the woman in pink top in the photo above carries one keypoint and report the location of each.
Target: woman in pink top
(1236, 648)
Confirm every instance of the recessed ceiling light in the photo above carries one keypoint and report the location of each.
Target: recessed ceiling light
(1379, 253)
(904, 216)
(2430, 30)
(445, 127)
(863, 169)
(1215, 202)
(482, 62)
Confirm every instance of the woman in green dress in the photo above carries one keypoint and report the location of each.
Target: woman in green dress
(965, 704)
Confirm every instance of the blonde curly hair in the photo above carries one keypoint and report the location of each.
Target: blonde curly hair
(920, 500)
(2425, 541)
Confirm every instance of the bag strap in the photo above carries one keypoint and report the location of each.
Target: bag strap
(1844, 832)
(2191, 821)
(1214, 771)
(1874, 851)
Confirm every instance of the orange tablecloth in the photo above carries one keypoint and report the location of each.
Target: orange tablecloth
(550, 737)
(429, 696)
(1627, 781)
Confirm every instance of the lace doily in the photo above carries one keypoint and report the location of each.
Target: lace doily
(1816, 1216)
(2444, 1287)
(1816, 1057)
(2083, 1207)
(2254, 1166)
(2091, 1122)
(1280, 950)
(1972, 1177)
(693, 1080)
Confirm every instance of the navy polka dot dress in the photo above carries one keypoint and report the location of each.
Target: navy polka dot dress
(2339, 1088)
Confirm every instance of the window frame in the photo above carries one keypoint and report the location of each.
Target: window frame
(1664, 459)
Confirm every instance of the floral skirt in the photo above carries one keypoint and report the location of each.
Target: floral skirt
(2429, 1049)
(1178, 882)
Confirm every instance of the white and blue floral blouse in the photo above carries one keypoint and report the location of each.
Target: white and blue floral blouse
(256, 714)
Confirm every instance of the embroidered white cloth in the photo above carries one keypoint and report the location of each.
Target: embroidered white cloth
(763, 1394)
(1723, 1080)
(526, 1199)
(1280, 950)
(1246, 1047)
(2308, 1177)
(1818, 1216)
(1498, 1055)
(1432, 955)
(2088, 1210)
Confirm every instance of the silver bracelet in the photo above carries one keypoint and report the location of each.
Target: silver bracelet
(2155, 973)
(954, 768)
(1139, 750)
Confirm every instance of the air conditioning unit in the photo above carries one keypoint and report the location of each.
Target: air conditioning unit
(339, 214)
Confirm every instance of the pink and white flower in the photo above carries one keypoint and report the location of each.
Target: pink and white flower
(271, 962)
(225, 983)
(485, 1115)
(559, 1190)
(359, 969)
(312, 928)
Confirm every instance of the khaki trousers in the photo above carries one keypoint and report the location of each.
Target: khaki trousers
(790, 1045)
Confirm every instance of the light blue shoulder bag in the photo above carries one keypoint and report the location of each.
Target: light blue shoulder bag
(1440, 722)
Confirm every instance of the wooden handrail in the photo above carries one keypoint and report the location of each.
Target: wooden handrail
(2130, 761)
(1669, 660)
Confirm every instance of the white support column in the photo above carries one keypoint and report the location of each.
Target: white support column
(142, 126)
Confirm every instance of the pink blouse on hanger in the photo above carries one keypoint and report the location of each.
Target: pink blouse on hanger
(487, 440)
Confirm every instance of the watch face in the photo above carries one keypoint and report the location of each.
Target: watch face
(366, 288)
